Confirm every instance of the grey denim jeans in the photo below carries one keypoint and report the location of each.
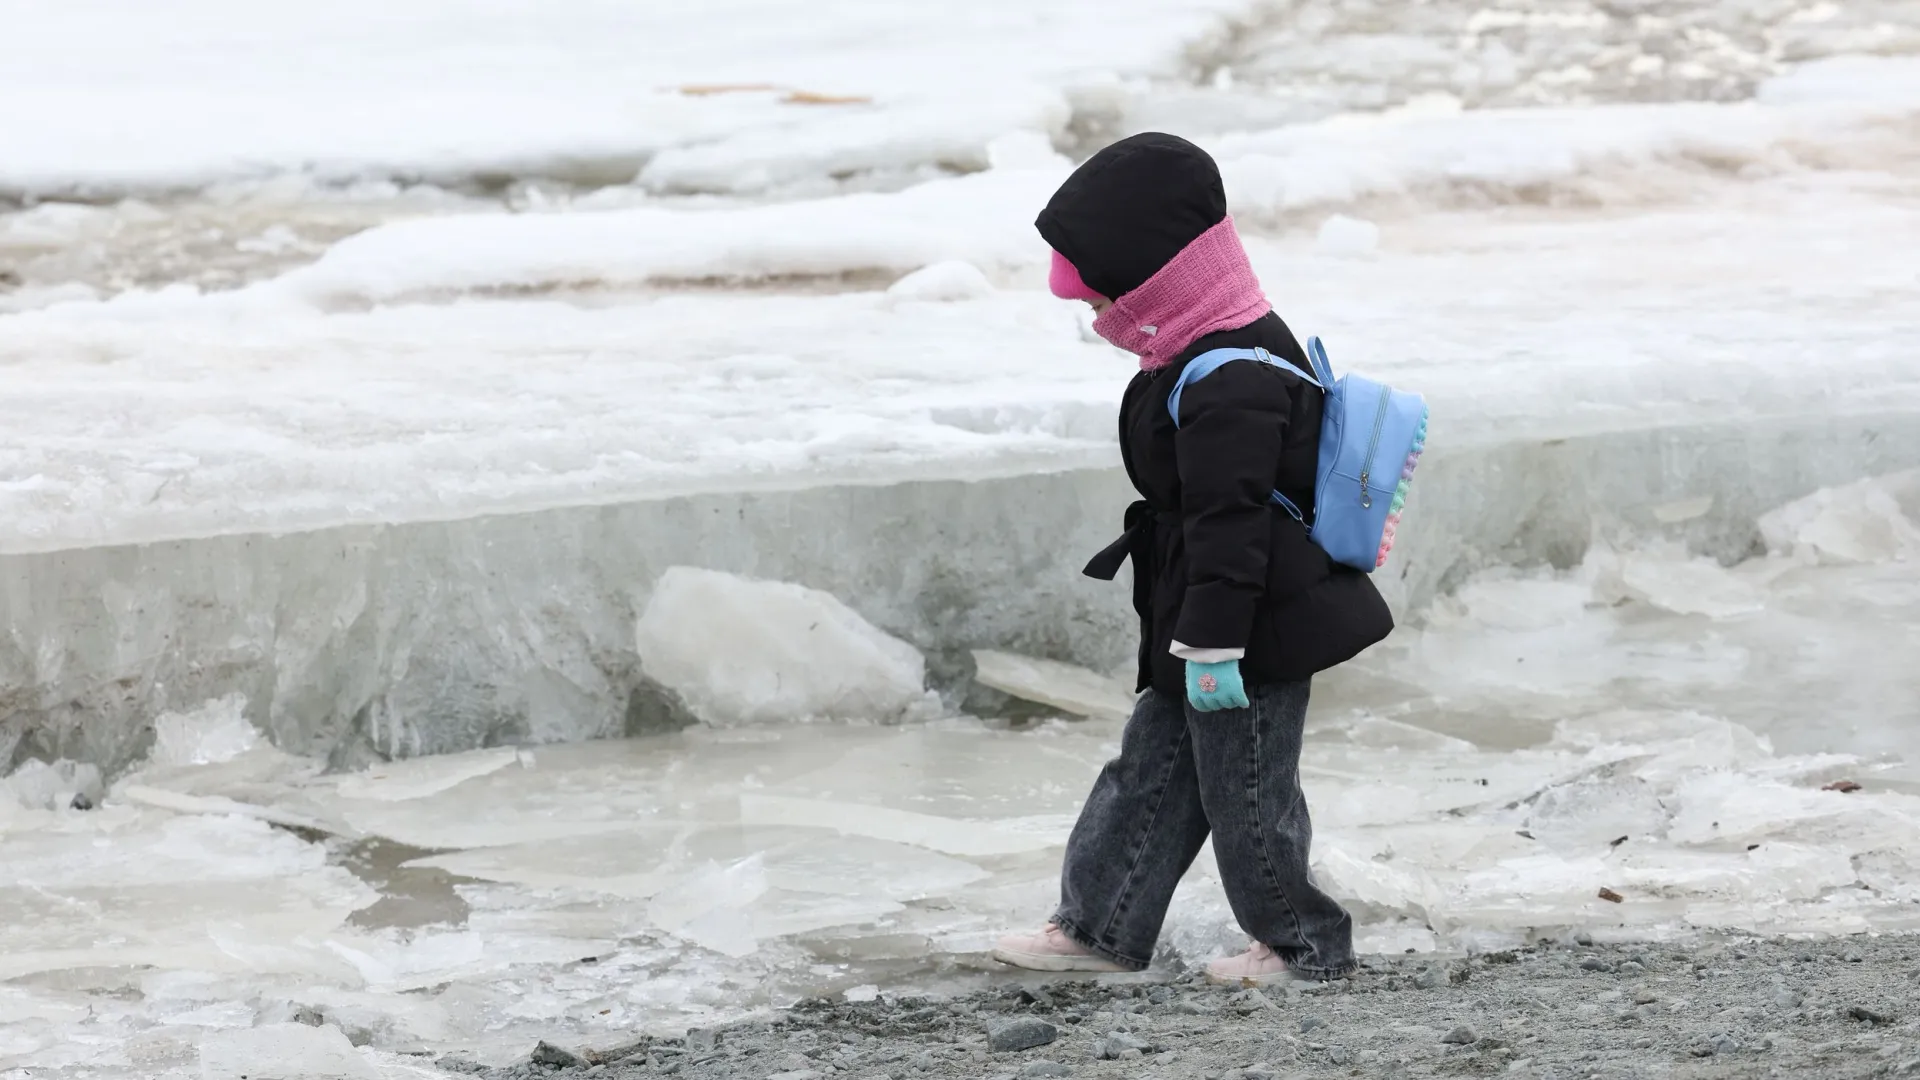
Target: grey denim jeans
(1180, 775)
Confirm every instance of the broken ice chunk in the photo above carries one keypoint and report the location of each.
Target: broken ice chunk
(1374, 890)
(1595, 812)
(285, 1052)
(37, 785)
(964, 837)
(1859, 523)
(1687, 586)
(1070, 689)
(741, 651)
(216, 731)
(709, 908)
(417, 778)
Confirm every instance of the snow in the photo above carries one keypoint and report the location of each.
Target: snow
(1828, 113)
(984, 219)
(740, 651)
(585, 89)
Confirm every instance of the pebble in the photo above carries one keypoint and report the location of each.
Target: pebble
(1254, 1001)
(1594, 963)
(1117, 1045)
(1431, 979)
(1643, 1044)
(1645, 997)
(802, 1074)
(1869, 1016)
(1024, 1033)
(925, 1061)
(1464, 1035)
(1583, 939)
(1787, 999)
(1308, 1023)
(1036, 1070)
(703, 1039)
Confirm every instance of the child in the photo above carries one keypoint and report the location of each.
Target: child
(1238, 608)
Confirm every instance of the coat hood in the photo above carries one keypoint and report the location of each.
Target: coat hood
(1129, 209)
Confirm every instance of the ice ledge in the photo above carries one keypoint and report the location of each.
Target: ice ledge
(364, 641)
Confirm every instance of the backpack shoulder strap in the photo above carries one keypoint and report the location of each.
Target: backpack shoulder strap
(1317, 356)
(1211, 361)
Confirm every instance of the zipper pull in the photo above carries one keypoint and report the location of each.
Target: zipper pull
(1366, 497)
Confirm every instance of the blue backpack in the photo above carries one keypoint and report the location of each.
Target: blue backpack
(1371, 437)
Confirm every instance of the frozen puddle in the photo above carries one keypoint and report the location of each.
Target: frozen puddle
(1643, 724)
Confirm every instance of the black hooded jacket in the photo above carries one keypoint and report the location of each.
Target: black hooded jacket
(1216, 564)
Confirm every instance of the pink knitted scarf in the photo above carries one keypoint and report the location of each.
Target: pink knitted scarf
(1206, 288)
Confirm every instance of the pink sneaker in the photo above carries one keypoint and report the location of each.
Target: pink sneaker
(1255, 967)
(1049, 950)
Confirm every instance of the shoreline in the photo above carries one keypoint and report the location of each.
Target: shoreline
(1834, 1008)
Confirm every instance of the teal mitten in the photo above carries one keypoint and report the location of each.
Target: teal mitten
(1212, 687)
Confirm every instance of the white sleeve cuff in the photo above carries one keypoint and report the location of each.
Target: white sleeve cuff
(1206, 656)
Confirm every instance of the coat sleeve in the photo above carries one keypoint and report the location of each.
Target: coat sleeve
(1233, 426)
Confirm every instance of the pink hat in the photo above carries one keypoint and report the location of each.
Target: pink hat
(1065, 281)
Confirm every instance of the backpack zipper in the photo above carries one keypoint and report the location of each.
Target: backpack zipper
(1366, 467)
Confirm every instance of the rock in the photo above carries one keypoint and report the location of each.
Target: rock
(1431, 979)
(1253, 1001)
(1583, 938)
(1787, 999)
(800, 1074)
(1025, 1033)
(1116, 1046)
(1130, 1054)
(924, 1061)
(1594, 963)
(1308, 1023)
(1464, 1035)
(554, 1057)
(1338, 1055)
(1644, 996)
(81, 801)
(1262, 1071)
(1035, 1070)
(1869, 1016)
(703, 1039)
(1631, 967)
(1643, 1043)
(1854, 958)
(1612, 897)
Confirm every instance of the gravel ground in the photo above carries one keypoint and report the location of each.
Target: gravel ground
(1824, 1010)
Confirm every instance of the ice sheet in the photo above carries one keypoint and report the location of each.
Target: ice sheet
(710, 871)
(174, 414)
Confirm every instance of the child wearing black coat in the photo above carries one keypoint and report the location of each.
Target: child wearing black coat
(1238, 608)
